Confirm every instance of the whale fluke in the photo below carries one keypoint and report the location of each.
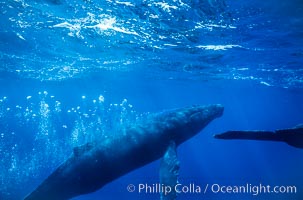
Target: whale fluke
(292, 136)
(96, 164)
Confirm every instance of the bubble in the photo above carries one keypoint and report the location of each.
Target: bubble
(81, 123)
(3, 99)
(124, 103)
(101, 98)
(8, 109)
(14, 147)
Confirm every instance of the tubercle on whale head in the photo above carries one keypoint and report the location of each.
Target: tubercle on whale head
(193, 119)
(206, 112)
(200, 116)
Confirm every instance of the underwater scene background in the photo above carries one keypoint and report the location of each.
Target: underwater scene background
(72, 71)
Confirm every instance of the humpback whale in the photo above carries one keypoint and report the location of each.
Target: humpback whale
(292, 136)
(96, 164)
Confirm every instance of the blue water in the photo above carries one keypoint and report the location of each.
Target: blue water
(73, 71)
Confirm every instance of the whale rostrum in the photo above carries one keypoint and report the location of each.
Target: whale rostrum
(96, 164)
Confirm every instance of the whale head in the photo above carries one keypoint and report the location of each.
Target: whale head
(187, 122)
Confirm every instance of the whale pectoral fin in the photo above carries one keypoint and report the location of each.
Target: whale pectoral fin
(299, 126)
(80, 150)
(292, 136)
(169, 171)
(249, 135)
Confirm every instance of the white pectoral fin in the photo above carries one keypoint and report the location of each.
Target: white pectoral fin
(169, 172)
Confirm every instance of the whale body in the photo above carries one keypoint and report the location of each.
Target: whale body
(93, 165)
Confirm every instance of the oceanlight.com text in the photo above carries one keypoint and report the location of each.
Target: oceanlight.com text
(251, 189)
(193, 188)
